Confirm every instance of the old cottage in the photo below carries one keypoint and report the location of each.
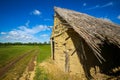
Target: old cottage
(80, 43)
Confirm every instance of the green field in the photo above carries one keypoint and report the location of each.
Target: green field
(9, 53)
(44, 54)
(15, 59)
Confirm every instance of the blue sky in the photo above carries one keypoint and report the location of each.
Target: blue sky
(31, 20)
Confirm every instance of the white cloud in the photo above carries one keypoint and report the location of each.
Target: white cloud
(3, 33)
(106, 19)
(102, 6)
(19, 35)
(25, 34)
(84, 4)
(108, 4)
(36, 12)
(97, 6)
(35, 29)
(118, 17)
(27, 23)
(44, 35)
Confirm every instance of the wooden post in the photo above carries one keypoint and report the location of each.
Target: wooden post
(52, 49)
(67, 60)
(67, 65)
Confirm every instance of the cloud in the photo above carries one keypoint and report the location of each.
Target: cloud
(44, 35)
(102, 6)
(36, 12)
(84, 4)
(25, 34)
(35, 29)
(108, 4)
(95, 7)
(106, 19)
(19, 35)
(3, 33)
(118, 17)
(27, 23)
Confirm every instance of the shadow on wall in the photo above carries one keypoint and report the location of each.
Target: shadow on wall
(110, 52)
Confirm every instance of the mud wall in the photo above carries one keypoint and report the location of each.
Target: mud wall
(65, 54)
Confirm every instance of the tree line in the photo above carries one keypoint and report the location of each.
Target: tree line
(29, 43)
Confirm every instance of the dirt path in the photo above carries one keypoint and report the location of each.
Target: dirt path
(8, 66)
(29, 73)
(30, 70)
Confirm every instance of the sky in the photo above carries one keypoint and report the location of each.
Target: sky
(32, 20)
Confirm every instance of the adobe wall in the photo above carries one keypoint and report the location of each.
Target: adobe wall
(62, 44)
(74, 64)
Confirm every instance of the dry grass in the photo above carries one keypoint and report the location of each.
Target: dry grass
(53, 72)
(50, 71)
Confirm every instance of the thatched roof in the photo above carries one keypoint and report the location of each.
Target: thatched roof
(93, 30)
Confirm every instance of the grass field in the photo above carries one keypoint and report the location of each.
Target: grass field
(15, 59)
(9, 53)
(44, 54)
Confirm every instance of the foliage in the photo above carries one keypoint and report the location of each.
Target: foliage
(20, 43)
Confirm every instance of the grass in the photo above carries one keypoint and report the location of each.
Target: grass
(21, 55)
(9, 53)
(40, 74)
(42, 56)
(45, 51)
(17, 70)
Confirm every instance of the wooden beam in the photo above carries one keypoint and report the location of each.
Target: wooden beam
(52, 49)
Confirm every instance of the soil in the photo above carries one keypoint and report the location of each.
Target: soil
(30, 70)
(9, 65)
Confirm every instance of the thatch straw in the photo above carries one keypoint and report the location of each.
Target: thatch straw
(93, 30)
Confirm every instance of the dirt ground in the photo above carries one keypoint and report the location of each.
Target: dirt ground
(29, 73)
